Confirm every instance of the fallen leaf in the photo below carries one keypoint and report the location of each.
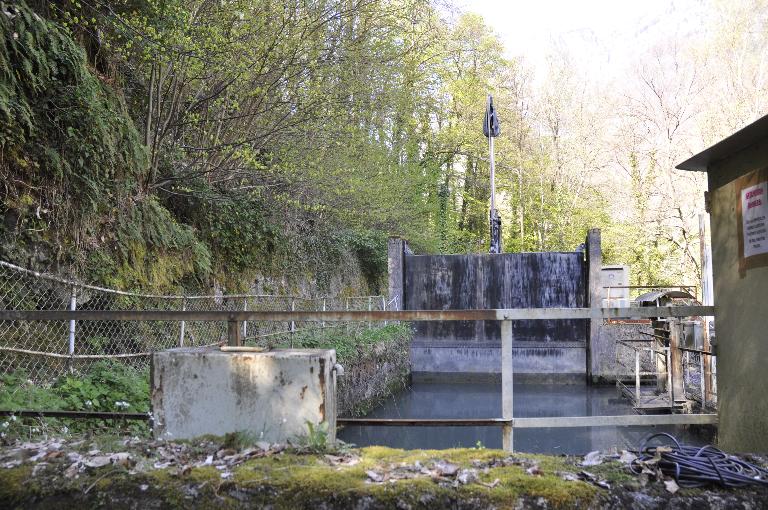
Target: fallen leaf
(568, 476)
(627, 457)
(671, 486)
(592, 459)
(98, 461)
(492, 484)
(534, 470)
(445, 468)
(466, 476)
(374, 476)
(72, 470)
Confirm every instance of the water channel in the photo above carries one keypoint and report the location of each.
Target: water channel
(462, 399)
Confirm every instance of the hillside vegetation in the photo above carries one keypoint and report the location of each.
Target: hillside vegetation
(168, 144)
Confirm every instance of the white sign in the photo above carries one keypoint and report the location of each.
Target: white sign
(754, 211)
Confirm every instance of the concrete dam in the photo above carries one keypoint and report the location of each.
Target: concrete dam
(544, 350)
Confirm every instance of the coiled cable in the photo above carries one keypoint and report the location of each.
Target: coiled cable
(693, 466)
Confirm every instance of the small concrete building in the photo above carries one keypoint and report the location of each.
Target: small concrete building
(737, 171)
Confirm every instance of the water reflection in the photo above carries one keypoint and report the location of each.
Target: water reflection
(483, 400)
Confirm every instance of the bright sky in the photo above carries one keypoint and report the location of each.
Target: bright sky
(602, 35)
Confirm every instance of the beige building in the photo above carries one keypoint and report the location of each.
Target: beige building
(737, 171)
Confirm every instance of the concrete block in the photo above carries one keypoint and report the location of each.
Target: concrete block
(272, 395)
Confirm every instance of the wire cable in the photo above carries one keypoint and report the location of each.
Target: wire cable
(693, 466)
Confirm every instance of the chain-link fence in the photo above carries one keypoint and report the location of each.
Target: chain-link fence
(45, 349)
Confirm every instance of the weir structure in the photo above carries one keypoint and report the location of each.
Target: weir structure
(552, 350)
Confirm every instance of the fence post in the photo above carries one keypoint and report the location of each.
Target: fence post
(245, 323)
(384, 307)
(72, 306)
(183, 323)
(702, 384)
(233, 333)
(676, 361)
(506, 385)
(293, 323)
(637, 376)
(370, 308)
(323, 322)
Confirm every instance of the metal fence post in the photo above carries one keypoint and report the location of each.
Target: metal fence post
(702, 384)
(637, 376)
(245, 323)
(370, 308)
(293, 323)
(183, 323)
(323, 322)
(72, 306)
(507, 385)
(384, 307)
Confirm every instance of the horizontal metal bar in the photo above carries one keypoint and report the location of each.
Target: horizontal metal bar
(708, 353)
(547, 422)
(426, 422)
(525, 423)
(353, 316)
(613, 421)
(26, 413)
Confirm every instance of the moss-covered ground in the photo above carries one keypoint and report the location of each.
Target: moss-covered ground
(373, 477)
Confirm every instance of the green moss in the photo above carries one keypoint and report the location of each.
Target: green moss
(17, 484)
(292, 480)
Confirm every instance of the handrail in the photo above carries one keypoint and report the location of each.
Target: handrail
(509, 314)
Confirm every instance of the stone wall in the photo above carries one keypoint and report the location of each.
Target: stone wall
(377, 372)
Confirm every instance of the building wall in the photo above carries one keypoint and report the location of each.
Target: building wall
(741, 315)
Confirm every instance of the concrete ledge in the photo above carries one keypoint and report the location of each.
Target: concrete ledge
(474, 377)
(526, 360)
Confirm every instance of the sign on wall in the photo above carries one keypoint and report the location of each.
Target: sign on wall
(753, 220)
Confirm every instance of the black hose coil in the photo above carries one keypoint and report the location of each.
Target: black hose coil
(693, 466)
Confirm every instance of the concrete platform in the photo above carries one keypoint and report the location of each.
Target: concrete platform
(271, 395)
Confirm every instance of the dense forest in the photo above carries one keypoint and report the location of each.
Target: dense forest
(162, 144)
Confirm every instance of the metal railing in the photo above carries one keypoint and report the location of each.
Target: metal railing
(235, 319)
(44, 350)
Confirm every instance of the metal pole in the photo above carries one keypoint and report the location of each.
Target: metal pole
(323, 322)
(72, 306)
(183, 323)
(701, 381)
(493, 175)
(637, 376)
(245, 323)
(370, 308)
(384, 306)
(506, 385)
(293, 323)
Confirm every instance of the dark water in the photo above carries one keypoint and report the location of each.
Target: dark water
(483, 400)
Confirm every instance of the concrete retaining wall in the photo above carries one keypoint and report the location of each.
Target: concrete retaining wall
(373, 375)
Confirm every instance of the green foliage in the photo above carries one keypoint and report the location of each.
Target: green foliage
(58, 122)
(106, 386)
(370, 248)
(316, 439)
(348, 344)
